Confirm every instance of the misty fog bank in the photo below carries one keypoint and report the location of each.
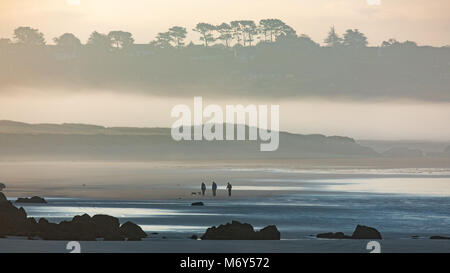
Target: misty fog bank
(279, 70)
(388, 120)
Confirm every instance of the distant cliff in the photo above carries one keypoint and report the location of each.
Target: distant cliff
(21, 141)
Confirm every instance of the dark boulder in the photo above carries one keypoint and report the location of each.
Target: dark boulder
(80, 228)
(53, 231)
(361, 232)
(3, 197)
(32, 200)
(269, 233)
(106, 227)
(197, 204)
(439, 238)
(233, 231)
(14, 221)
(365, 232)
(240, 231)
(132, 232)
(194, 237)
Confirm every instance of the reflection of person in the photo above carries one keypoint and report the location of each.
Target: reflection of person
(229, 187)
(203, 188)
(214, 188)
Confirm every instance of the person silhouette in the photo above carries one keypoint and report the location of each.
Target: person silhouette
(214, 188)
(203, 188)
(229, 187)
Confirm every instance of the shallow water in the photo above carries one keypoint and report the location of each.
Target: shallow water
(399, 203)
(297, 216)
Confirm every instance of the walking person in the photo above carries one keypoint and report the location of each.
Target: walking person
(229, 187)
(203, 189)
(214, 188)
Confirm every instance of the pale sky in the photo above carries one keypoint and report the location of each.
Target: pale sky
(423, 21)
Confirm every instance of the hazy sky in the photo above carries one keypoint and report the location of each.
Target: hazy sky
(424, 21)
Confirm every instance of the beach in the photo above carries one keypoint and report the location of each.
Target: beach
(189, 246)
(407, 205)
(178, 179)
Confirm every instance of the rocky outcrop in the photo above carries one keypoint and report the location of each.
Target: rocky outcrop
(197, 204)
(360, 232)
(14, 222)
(107, 227)
(2, 198)
(365, 232)
(240, 231)
(86, 228)
(2, 186)
(32, 200)
(132, 232)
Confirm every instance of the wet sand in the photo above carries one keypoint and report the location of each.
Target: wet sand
(191, 246)
(175, 180)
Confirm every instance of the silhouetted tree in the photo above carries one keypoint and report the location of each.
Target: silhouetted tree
(178, 34)
(409, 44)
(273, 28)
(206, 31)
(29, 36)
(395, 43)
(306, 41)
(264, 28)
(354, 39)
(226, 33)
(249, 28)
(333, 39)
(286, 30)
(67, 40)
(268, 27)
(237, 31)
(121, 39)
(163, 40)
(99, 40)
(389, 43)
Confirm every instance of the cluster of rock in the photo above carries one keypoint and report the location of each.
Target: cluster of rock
(14, 222)
(240, 231)
(32, 200)
(361, 232)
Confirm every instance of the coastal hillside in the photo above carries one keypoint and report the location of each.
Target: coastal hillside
(22, 141)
